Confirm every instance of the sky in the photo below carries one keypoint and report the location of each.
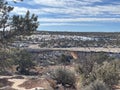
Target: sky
(73, 15)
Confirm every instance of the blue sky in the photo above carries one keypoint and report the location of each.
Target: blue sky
(73, 15)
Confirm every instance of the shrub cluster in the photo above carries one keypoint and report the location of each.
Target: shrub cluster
(108, 72)
(97, 85)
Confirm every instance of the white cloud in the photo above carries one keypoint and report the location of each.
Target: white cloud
(50, 2)
(71, 11)
(66, 24)
(20, 10)
(64, 20)
(23, 10)
(73, 8)
(64, 3)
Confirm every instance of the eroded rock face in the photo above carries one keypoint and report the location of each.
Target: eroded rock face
(74, 55)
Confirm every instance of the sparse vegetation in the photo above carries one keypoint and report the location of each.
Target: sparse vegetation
(64, 77)
(107, 71)
(6, 61)
(97, 85)
(96, 70)
(25, 62)
(64, 59)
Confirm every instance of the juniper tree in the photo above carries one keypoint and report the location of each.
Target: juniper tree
(18, 26)
(24, 25)
(5, 9)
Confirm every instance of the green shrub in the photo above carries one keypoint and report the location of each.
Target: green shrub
(25, 62)
(108, 72)
(5, 61)
(84, 69)
(97, 85)
(64, 77)
(64, 59)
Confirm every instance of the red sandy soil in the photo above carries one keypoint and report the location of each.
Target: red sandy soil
(4, 82)
(33, 83)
